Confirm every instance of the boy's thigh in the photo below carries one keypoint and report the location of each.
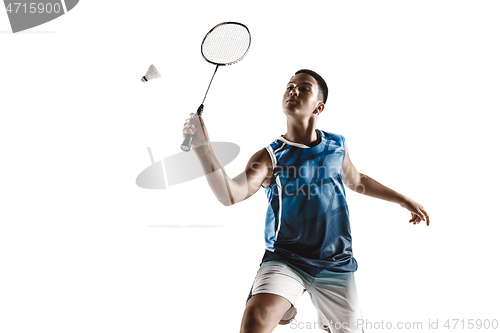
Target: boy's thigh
(336, 299)
(282, 284)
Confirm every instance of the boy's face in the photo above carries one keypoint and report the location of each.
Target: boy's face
(301, 96)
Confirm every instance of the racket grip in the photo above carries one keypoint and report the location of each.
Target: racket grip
(186, 144)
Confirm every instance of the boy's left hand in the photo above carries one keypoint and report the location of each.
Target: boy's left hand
(418, 212)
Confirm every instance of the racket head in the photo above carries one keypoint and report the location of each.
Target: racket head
(226, 43)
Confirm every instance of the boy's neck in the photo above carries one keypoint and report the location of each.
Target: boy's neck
(305, 134)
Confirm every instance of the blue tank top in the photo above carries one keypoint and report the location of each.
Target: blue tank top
(307, 220)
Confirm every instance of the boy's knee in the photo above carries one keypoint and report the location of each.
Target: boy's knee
(255, 319)
(263, 313)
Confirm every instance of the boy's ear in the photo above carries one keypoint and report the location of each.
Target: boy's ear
(319, 108)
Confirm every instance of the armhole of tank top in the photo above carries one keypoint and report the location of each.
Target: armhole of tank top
(273, 159)
(271, 154)
(342, 142)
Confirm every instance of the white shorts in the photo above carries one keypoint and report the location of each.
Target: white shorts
(332, 293)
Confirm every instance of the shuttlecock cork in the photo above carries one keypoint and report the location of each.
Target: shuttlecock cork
(151, 74)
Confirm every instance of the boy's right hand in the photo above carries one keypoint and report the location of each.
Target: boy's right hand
(195, 125)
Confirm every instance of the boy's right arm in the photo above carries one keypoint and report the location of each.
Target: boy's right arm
(258, 170)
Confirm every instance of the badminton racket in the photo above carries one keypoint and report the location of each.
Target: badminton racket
(225, 44)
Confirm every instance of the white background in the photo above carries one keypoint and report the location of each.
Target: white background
(413, 88)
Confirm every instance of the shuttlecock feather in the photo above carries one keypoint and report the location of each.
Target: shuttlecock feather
(151, 74)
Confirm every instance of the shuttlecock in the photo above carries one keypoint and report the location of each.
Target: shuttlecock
(151, 74)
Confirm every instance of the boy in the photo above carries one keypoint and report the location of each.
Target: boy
(308, 238)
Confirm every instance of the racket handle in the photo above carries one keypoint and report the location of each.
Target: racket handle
(186, 144)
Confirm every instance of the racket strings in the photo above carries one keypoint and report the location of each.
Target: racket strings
(226, 44)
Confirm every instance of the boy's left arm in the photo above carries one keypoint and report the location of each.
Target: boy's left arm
(363, 184)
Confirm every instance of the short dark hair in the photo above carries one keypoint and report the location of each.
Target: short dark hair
(323, 88)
